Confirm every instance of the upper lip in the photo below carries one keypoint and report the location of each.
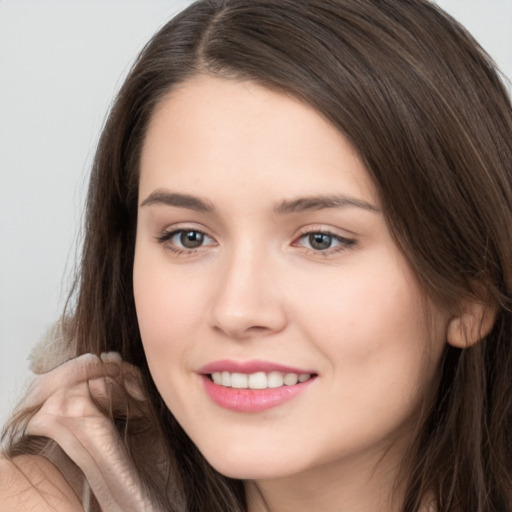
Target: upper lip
(253, 366)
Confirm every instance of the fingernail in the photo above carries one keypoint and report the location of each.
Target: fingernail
(111, 357)
(134, 388)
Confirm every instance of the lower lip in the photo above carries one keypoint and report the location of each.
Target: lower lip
(252, 400)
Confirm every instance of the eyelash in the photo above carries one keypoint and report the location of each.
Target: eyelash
(343, 242)
(181, 251)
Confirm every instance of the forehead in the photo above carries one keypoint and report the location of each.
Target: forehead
(239, 133)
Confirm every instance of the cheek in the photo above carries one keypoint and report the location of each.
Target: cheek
(372, 329)
(168, 312)
(353, 306)
(167, 306)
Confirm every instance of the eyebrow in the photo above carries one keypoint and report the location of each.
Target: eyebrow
(301, 204)
(322, 202)
(163, 197)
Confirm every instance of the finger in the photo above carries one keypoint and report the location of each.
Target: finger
(75, 401)
(102, 396)
(56, 428)
(96, 448)
(74, 371)
(113, 399)
(111, 357)
(131, 377)
(72, 416)
(108, 394)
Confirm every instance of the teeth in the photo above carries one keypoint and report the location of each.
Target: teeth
(275, 380)
(290, 379)
(258, 380)
(239, 380)
(226, 379)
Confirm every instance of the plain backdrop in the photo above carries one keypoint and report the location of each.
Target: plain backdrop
(61, 63)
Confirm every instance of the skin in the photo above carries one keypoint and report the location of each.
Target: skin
(73, 402)
(32, 483)
(258, 289)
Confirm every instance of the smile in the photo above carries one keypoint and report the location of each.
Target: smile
(258, 380)
(253, 386)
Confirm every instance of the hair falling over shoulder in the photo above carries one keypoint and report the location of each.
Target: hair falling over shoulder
(427, 112)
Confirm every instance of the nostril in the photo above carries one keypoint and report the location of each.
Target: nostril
(258, 329)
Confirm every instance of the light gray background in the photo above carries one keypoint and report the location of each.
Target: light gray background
(61, 62)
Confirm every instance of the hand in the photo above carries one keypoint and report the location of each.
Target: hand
(76, 398)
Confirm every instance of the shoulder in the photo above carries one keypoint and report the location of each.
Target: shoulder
(32, 483)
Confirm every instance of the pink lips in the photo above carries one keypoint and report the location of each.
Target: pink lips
(251, 400)
(254, 366)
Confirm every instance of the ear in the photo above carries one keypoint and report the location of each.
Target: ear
(474, 322)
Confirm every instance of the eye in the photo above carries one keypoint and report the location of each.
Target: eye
(323, 242)
(189, 239)
(320, 241)
(186, 239)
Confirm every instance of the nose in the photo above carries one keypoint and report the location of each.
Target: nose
(248, 302)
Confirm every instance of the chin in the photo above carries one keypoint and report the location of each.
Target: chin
(249, 472)
(251, 466)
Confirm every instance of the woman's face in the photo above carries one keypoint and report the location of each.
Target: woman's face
(263, 259)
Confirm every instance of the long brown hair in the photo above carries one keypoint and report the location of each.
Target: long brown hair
(424, 106)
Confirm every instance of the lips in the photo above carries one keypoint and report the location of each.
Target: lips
(248, 367)
(253, 386)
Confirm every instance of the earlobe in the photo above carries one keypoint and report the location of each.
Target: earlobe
(474, 322)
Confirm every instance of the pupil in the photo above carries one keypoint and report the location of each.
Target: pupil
(320, 241)
(191, 239)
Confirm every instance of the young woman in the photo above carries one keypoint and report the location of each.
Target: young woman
(296, 281)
